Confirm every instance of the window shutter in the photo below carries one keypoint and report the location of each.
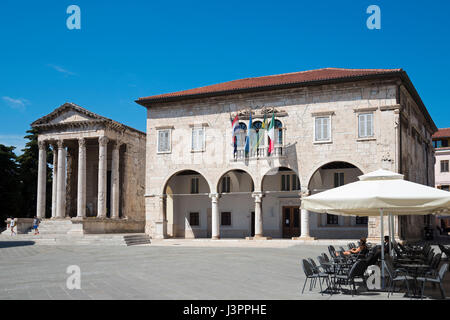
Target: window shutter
(370, 125)
(318, 129)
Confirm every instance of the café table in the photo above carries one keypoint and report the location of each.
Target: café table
(416, 267)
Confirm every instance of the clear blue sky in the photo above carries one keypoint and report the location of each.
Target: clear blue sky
(128, 49)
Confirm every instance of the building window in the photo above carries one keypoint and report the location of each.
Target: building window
(445, 188)
(164, 143)
(279, 132)
(295, 182)
(440, 143)
(332, 219)
(226, 184)
(198, 139)
(194, 185)
(241, 135)
(362, 220)
(444, 165)
(225, 219)
(338, 179)
(194, 218)
(285, 182)
(365, 125)
(322, 129)
(290, 182)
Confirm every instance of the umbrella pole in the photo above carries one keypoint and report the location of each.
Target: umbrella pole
(382, 248)
(390, 233)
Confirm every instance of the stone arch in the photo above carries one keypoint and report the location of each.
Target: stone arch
(323, 163)
(217, 184)
(276, 169)
(173, 173)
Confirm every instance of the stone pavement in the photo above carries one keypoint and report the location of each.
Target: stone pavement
(30, 271)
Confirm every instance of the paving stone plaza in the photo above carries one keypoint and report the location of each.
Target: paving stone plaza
(168, 270)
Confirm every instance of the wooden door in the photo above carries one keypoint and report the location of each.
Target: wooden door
(291, 222)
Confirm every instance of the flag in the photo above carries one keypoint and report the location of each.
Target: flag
(271, 134)
(234, 129)
(261, 133)
(247, 138)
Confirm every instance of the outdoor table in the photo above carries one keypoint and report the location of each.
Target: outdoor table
(416, 268)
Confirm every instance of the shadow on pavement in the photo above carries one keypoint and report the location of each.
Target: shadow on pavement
(10, 244)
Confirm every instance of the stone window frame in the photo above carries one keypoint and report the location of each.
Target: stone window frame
(330, 127)
(169, 130)
(372, 129)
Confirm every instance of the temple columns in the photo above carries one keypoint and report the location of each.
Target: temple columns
(102, 169)
(54, 179)
(61, 183)
(115, 182)
(81, 183)
(42, 180)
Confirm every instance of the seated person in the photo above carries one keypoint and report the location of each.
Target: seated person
(362, 249)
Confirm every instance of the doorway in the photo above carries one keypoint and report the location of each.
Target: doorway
(291, 222)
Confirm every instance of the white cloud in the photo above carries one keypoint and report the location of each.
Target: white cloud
(61, 70)
(18, 104)
(15, 140)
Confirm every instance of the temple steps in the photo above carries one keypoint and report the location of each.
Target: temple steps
(137, 239)
(86, 239)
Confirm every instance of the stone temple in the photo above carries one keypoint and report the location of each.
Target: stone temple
(191, 176)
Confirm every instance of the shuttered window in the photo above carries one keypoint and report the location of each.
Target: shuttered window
(322, 129)
(164, 140)
(365, 125)
(198, 139)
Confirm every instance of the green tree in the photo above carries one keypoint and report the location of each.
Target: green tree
(9, 184)
(28, 174)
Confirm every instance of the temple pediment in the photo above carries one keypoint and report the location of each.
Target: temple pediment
(70, 116)
(68, 113)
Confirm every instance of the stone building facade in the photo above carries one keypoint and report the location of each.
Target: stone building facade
(331, 125)
(98, 172)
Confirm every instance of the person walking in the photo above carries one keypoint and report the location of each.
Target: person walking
(12, 224)
(36, 222)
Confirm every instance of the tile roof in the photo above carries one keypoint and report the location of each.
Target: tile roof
(270, 81)
(442, 133)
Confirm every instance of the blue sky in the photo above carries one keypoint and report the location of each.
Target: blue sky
(132, 48)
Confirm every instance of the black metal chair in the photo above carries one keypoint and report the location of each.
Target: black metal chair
(396, 275)
(312, 276)
(356, 271)
(438, 278)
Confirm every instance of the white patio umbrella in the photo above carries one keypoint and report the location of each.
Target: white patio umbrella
(377, 193)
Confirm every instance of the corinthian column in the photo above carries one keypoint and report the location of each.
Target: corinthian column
(102, 167)
(61, 187)
(115, 182)
(42, 175)
(81, 187)
(54, 179)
